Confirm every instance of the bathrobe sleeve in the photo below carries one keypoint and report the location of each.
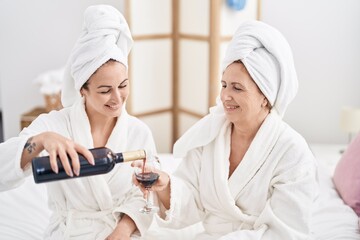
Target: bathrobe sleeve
(12, 175)
(287, 212)
(185, 203)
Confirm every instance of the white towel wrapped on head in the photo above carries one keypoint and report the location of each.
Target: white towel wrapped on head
(105, 36)
(268, 58)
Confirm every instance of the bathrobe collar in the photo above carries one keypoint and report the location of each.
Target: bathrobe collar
(117, 142)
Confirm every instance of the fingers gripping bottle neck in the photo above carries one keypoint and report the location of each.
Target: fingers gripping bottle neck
(104, 158)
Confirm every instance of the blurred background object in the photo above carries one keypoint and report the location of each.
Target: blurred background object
(50, 83)
(237, 5)
(350, 121)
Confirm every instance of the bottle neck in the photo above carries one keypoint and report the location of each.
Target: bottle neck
(130, 156)
(119, 158)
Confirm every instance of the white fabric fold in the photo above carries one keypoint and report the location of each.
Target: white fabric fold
(105, 36)
(217, 155)
(202, 132)
(107, 195)
(268, 196)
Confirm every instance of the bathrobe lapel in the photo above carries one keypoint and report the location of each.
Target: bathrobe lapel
(216, 165)
(225, 191)
(82, 134)
(256, 155)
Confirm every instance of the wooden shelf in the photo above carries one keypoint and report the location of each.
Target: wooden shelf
(30, 116)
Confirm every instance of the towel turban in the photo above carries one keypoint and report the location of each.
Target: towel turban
(268, 58)
(105, 35)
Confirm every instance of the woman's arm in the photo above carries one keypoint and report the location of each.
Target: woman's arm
(56, 145)
(179, 193)
(47, 132)
(32, 148)
(287, 212)
(123, 230)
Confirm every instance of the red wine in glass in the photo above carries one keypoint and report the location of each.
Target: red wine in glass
(147, 179)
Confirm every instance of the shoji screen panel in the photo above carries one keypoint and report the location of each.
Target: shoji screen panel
(194, 59)
(205, 29)
(162, 125)
(149, 17)
(175, 66)
(151, 67)
(194, 17)
(193, 76)
(151, 74)
(186, 121)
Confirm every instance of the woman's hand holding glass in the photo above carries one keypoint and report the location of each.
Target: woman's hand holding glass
(149, 178)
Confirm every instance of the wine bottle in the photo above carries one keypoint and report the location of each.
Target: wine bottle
(104, 158)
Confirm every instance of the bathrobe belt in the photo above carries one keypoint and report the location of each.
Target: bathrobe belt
(73, 214)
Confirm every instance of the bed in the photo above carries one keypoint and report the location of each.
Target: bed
(333, 219)
(24, 214)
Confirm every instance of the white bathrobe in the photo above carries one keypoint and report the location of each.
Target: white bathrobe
(89, 207)
(268, 196)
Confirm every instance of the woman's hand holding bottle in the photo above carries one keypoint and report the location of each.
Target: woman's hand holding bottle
(57, 146)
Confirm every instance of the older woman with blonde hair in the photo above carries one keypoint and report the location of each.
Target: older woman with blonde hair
(245, 173)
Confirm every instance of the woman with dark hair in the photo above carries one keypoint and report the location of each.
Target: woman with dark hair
(94, 94)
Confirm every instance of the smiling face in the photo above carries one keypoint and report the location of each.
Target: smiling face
(107, 90)
(243, 102)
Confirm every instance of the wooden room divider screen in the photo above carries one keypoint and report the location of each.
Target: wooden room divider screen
(175, 65)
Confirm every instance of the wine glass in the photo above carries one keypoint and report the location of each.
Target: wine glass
(146, 176)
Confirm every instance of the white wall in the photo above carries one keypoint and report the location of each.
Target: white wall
(325, 38)
(36, 36)
(324, 34)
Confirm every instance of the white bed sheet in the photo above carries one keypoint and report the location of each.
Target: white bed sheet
(333, 219)
(24, 213)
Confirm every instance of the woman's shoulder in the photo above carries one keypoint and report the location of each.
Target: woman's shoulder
(294, 155)
(52, 118)
(292, 138)
(294, 147)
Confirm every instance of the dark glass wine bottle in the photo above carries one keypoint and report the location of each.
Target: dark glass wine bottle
(104, 158)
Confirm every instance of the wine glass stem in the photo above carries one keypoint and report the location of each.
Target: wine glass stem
(147, 199)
